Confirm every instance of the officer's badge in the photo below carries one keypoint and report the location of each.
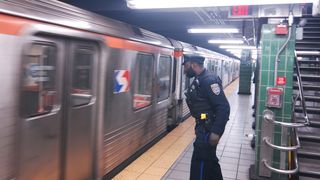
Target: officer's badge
(215, 88)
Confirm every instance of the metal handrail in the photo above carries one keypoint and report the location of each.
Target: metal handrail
(267, 140)
(269, 116)
(285, 124)
(301, 93)
(282, 171)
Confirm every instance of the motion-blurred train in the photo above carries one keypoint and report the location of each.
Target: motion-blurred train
(82, 93)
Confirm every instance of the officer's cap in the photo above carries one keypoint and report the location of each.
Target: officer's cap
(194, 58)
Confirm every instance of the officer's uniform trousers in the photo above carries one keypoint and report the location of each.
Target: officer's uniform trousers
(204, 162)
(205, 97)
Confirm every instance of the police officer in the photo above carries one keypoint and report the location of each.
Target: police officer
(210, 108)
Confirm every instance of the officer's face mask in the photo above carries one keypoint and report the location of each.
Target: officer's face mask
(190, 73)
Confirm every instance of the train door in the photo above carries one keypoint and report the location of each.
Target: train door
(80, 109)
(58, 108)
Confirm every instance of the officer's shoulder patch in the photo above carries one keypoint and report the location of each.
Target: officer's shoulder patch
(215, 88)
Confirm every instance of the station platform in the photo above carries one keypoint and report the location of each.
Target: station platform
(170, 158)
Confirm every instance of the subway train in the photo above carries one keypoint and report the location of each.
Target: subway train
(83, 93)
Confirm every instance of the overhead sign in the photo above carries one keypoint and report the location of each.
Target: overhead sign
(280, 10)
(241, 10)
(121, 81)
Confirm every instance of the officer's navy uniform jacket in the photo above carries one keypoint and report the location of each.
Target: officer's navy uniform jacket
(205, 96)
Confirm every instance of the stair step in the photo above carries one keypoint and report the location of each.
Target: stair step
(309, 68)
(311, 98)
(307, 87)
(310, 149)
(310, 110)
(307, 42)
(309, 47)
(314, 122)
(309, 133)
(312, 20)
(301, 119)
(308, 61)
(311, 32)
(310, 37)
(311, 27)
(308, 178)
(311, 23)
(314, 29)
(309, 77)
(309, 167)
(308, 53)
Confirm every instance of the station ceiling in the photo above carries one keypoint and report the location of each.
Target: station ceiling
(174, 23)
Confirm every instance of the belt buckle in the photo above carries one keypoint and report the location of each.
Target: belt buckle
(203, 116)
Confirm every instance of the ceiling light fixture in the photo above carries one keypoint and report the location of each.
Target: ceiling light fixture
(213, 30)
(147, 4)
(237, 47)
(234, 51)
(226, 41)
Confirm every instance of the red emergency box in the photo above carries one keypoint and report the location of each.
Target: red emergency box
(274, 97)
(281, 29)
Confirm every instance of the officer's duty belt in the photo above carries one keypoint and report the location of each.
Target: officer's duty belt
(209, 115)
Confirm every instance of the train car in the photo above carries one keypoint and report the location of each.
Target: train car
(179, 110)
(235, 69)
(83, 93)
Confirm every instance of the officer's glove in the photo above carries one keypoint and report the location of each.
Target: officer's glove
(214, 139)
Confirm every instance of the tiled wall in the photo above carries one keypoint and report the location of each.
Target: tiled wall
(245, 77)
(270, 44)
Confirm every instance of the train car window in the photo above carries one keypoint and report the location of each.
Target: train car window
(163, 78)
(216, 65)
(213, 63)
(82, 77)
(143, 81)
(39, 89)
(207, 64)
(225, 66)
(210, 66)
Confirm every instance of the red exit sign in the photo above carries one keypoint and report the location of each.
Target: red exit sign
(244, 10)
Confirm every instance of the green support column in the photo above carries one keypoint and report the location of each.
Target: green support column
(245, 73)
(270, 44)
